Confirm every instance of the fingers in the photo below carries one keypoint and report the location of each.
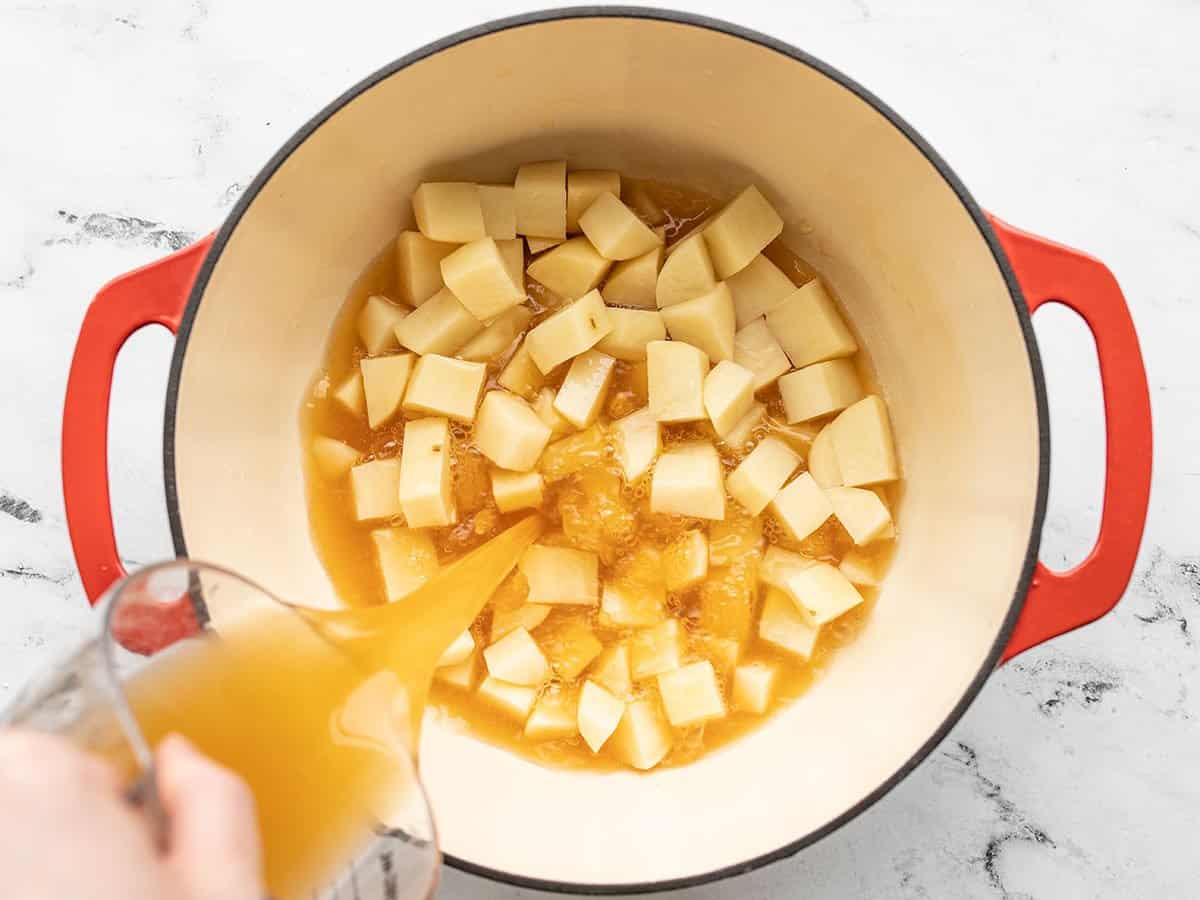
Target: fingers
(33, 761)
(213, 832)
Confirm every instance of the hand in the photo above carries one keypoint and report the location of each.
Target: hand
(66, 830)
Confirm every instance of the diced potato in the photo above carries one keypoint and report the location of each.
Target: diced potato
(407, 559)
(426, 490)
(626, 604)
(528, 616)
(754, 687)
(517, 659)
(509, 432)
(384, 381)
(734, 539)
(740, 231)
(335, 458)
(758, 289)
(778, 565)
(863, 567)
(498, 203)
(449, 211)
(517, 490)
(638, 443)
(687, 273)
(520, 375)
(543, 405)
(762, 474)
(689, 481)
(861, 513)
(723, 653)
(575, 453)
(599, 714)
(632, 282)
(632, 330)
(615, 231)
(459, 651)
(655, 650)
(743, 432)
(675, 375)
(375, 486)
(822, 462)
(571, 269)
(463, 675)
(561, 575)
(809, 327)
(801, 507)
(728, 395)
(819, 389)
(610, 670)
(691, 694)
(443, 386)
(497, 337)
(513, 254)
(570, 644)
(419, 266)
(569, 332)
(685, 561)
(541, 193)
(553, 718)
(862, 444)
(440, 325)
(822, 593)
(583, 187)
(582, 393)
(755, 348)
(643, 737)
(513, 700)
(537, 245)
(377, 322)
(482, 279)
(705, 322)
(349, 393)
(782, 626)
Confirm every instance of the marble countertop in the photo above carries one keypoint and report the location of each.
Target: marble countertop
(131, 125)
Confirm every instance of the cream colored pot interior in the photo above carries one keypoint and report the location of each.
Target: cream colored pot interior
(682, 103)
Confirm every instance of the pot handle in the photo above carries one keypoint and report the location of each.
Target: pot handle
(155, 294)
(1059, 602)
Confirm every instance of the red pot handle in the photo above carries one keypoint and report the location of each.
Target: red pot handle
(1061, 601)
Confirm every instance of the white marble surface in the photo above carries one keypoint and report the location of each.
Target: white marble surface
(130, 125)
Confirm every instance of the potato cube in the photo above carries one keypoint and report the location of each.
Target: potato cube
(498, 203)
(419, 266)
(440, 325)
(762, 474)
(509, 432)
(541, 193)
(615, 231)
(801, 507)
(517, 659)
(691, 694)
(686, 273)
(482, 279)
(778, 565)
(809, 327)
(741, 434)
(349, 393)
(571, 269)
(582, 393)
(426, 488)
(705, 322)
(863, 567)
(638, 443)
(754, 687)
(632, 330)
(610, 670)
(561, 575)
(758, 289)
(822, 461)
(569, 332)
(443, 386)
(497, 337)
(543, 405)
(675, 373)
(861, 513)
(553, 718)
(377, 323)
(755, 348)
(375, 486)
(740, 231)
(384, 381)
(513, 253)
(538, 245)
(517, 490)
(459, 651)
(449, 211)
(583, 187)
(334, 458)
(819, 389)
(407, 559)
(689, 481)
(632, 282)
(462, 675)
(513, 700)
(528, 616)
(822, 593)
(599, 714)
(570, 644)
(685, 561)
(520, 375)
(655, 650)
(728, 395)
(862, 444)
(643, 737)
(629, 604)
(782, 626)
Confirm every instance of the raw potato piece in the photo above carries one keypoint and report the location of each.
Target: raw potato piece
(517, 659)
(520, 375)
(449, 211)
(687, 273)
(638, 443)
(728, 395)
(655, 650)
(643, 737)
(758, 289)
(863, 567)
(753, 687)
(461, 675)
(350, 393)
(481, 277)
(688, 481)
(599, 714)
(497, 337)
(552, 719)
(861, 513)
(509, 432)
(458, 652)
(583, 187)
(739, 232)
(447, 387)
(801, 507)
(517, 490)
(705, 322)
(384, 381)
(691, 695)
(782, 626)
(569, 332)
(440, 325)
(419, 266)
(755, 348)
(528, 616)
(632, 330)
(760, 476)
(615, 231)
(809, 327)
(819, 389)
(822, 593)
(862, 444)
(626, 604)
(541, 194)
(571, 269)
(377, 324)
(407, 559)
(514, 700)
(822, 463)
(426, 490)
(537, 244)
(611, 670)
(742, 433)
(632, 281)
(685, 562)
(561, 575)
(543, 405)
(513, 254)
(498, 203)
(583, 391)
(675, 372)
(334, 458)
(375, 486)
(778, 565)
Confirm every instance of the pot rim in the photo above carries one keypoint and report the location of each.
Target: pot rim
(952, 180)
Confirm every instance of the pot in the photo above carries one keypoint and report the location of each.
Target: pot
(940, 292)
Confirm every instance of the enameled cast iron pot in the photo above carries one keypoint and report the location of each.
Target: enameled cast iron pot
(940, 292)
